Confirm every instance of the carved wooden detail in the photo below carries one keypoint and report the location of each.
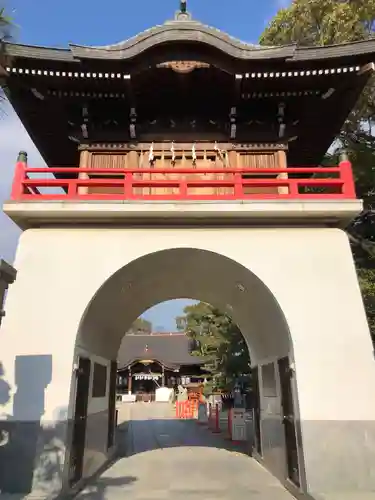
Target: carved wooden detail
(183, 66)
(205, 156)
(202, 145)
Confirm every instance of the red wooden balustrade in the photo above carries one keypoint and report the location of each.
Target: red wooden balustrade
(336, 182)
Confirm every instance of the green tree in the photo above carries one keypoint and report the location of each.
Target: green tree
(140, 325)
(321, 22)
(325, 22)
(217, 337)
(5, 24)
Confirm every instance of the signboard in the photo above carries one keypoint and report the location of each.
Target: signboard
(147, 376)
(238, 424)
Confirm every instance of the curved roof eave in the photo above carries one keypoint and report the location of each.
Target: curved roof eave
(190, 31)
(172, 366)
(176, 31)
(137, 359)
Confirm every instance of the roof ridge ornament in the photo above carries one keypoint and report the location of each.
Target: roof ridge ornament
(183, 14)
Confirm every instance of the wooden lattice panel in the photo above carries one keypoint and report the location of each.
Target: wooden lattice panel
(207, 157)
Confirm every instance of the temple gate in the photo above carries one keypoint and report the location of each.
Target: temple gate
(185, 163)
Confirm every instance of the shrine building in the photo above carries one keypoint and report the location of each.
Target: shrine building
(184, 163)
(148, 361)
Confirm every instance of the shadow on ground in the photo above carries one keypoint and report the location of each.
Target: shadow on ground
(148, 435)
(97, 490)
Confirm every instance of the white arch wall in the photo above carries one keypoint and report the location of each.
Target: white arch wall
(309, 271)
(191, 273)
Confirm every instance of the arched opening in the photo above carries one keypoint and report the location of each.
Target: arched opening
(180, 273)
(215, 279)
(184, 350)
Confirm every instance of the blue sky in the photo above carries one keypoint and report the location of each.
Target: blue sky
(57, 23)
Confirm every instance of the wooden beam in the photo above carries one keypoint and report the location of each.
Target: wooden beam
(367, 68)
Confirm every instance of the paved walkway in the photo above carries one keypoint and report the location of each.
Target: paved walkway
(169, 459)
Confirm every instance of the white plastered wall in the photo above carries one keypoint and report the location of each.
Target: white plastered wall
(296, 280)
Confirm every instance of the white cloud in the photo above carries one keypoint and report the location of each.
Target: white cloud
(13, 138)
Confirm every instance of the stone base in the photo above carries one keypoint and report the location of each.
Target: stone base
(339, 459)
(32, 459)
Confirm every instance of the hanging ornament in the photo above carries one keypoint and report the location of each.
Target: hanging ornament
(151, 154)
(194, 153)
(173, 153)
(219, 151)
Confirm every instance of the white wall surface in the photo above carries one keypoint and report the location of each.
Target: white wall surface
(278, 283)
(309, 272)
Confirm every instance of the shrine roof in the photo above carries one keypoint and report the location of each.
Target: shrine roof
(173, 350)
(318, 85)
(187, 30)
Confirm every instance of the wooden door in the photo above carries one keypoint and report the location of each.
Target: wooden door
(80, 420)
(112, 405)
(287, 405)
(256, 410)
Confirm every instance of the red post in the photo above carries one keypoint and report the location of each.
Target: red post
(183, 189)
(293, 188)
(209, 416)
(230, 423)
(72, 188)
(216, 428)
(238, 187)
(189, 409)
(195, 409)
(19, 176)
(128, 185)
(346, 175)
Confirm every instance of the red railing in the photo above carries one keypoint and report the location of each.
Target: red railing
(229, 183)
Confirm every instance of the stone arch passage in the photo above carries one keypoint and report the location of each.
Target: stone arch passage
(201, 275)
(185, 273)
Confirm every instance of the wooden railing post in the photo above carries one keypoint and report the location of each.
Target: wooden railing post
(282, 161)
(128, 185)
(19, 176)
(183, 188)
(238, 187)
(26, 188)
(72, 189)
(293, 189)
(346, 175)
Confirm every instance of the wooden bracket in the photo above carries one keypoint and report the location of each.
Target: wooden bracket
(367, 68)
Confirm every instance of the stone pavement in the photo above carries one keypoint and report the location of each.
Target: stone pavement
(169, 459)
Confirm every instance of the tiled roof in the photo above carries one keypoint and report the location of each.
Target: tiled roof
(187, 30)
(171, 349)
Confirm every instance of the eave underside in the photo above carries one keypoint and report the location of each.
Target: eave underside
(206, 94)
